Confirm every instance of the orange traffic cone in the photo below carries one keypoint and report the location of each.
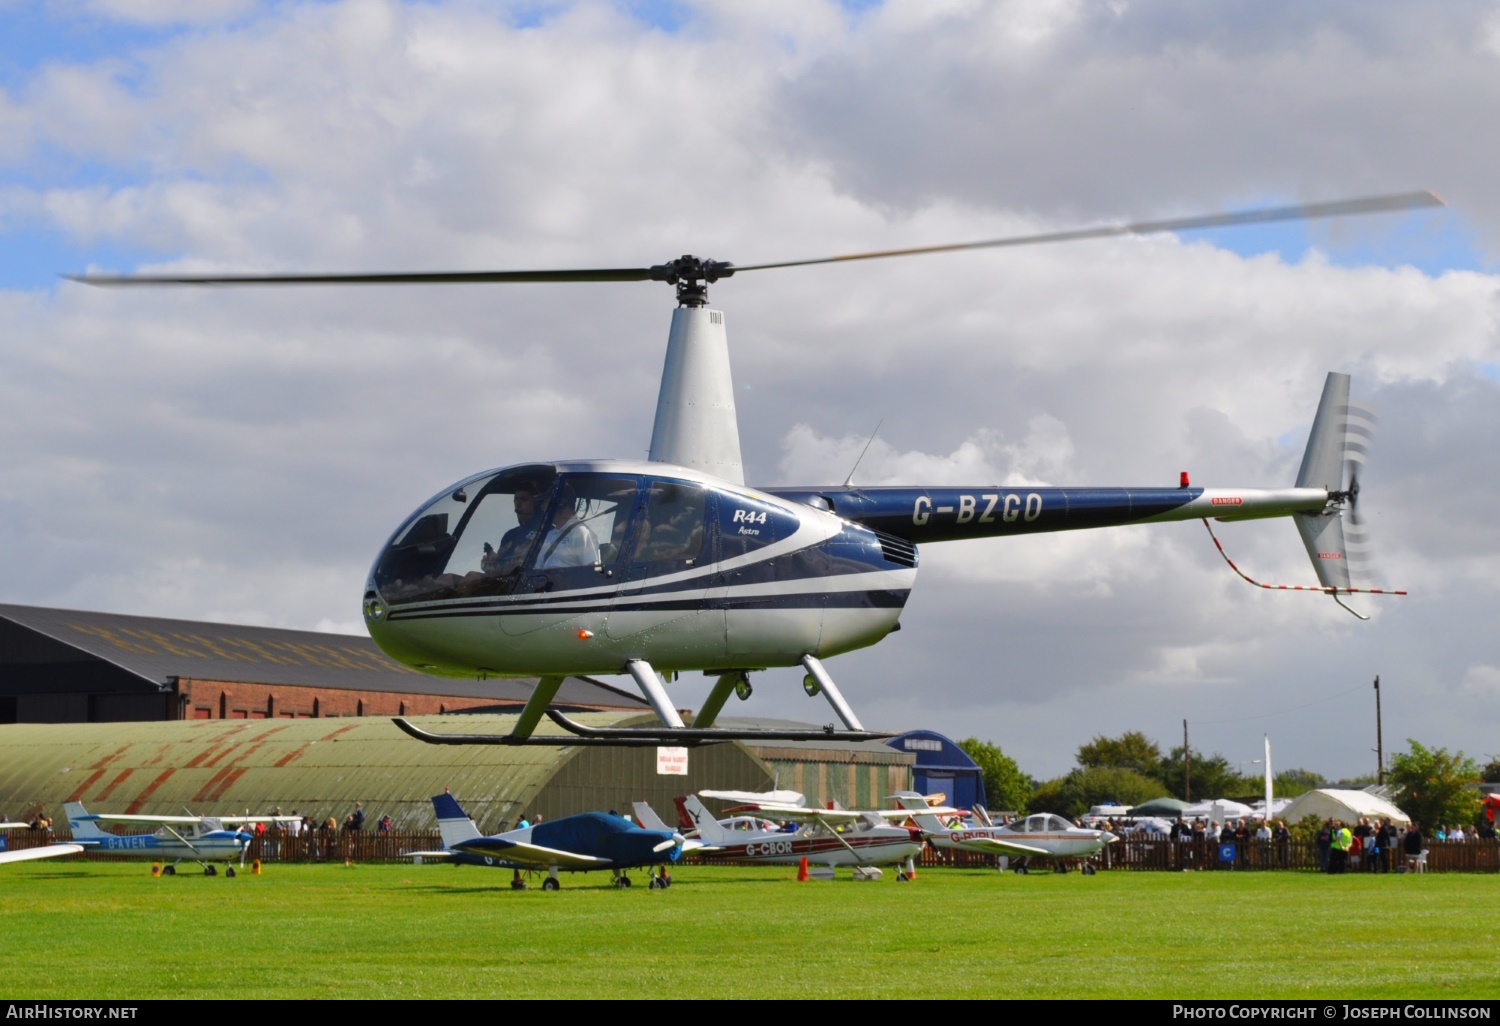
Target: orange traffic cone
(802, 871)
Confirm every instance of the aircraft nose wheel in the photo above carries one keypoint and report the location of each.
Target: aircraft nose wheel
(229, 871)
(550, 884)
(1089, 870)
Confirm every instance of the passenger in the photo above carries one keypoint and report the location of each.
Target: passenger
(569, 542)
(517, 541)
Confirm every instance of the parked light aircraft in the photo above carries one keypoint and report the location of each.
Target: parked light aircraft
(825, 837)
(1039, 836)
(201, 839)
(672, 564)
(582, 843)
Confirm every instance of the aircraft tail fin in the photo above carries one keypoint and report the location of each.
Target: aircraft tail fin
(79, 822)
(453, 822)
(646, 816)
(917, 805)
(707, 826)
(1337, 539)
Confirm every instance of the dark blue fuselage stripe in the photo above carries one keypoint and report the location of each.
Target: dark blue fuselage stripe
(876, 599)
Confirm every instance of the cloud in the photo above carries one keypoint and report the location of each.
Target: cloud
(244, 453)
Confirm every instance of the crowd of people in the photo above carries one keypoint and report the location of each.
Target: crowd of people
(1370, 845)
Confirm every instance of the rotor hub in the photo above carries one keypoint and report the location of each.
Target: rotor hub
(692, 276)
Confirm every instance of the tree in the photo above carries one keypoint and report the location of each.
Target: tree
(1435, 787)
(1132, 750)
(1211, 777)
(1293, 782)
(1005, 786)
(1080, 790)
(1490, 774)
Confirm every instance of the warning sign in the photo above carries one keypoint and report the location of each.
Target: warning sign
(671, 762)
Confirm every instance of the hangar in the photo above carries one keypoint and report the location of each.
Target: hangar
(321, 768)
(942, 768)
(72, 666)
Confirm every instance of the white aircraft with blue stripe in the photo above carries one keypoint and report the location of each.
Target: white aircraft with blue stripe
(201, 839)
(674, 565)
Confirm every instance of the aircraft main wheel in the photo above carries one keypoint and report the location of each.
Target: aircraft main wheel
(210, 871)
(550, 884)
(901, 877)
(169, 871)
(623, 881)
(229, 871)
(1089, 870)
(1022, 870)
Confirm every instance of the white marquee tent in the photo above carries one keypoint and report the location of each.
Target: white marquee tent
(1329, 803)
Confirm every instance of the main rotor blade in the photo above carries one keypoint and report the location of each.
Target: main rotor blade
(398, 278)
(1266, 215)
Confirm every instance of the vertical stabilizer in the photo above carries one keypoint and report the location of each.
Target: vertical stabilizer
(646, 816)
(696, 425)
(453, 822)
(917, 804)
(708, 827)
(83, 827)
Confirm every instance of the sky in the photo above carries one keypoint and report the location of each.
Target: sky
(241, 455)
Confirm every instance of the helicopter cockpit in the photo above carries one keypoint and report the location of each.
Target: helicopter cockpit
(530, 528)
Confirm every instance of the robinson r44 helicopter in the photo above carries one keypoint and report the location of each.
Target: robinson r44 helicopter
(673, 564)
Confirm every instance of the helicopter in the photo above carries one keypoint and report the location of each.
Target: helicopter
(674, 565)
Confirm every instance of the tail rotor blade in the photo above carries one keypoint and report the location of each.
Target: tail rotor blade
(1359, 436)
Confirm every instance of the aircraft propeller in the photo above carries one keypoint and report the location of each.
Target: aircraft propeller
(692, 275)
(675, 842)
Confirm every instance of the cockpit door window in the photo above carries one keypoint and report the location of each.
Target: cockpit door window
(584, 530)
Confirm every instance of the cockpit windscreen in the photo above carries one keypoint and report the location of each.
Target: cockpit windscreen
(473, 540)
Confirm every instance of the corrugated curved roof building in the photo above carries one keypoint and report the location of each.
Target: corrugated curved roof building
(322, 767)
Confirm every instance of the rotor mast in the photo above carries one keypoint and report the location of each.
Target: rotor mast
(696, 424)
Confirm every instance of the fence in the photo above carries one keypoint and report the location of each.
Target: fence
(1144, 854)
(1161, 854)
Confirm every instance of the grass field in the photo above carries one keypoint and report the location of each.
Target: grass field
(75, 930)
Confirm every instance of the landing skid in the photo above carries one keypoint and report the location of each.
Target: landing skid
(672, 732)
(639, 737)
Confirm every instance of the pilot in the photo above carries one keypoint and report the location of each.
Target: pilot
(516, 541)
(569, 542)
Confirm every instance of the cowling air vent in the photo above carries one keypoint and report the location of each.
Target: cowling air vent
(897, 550)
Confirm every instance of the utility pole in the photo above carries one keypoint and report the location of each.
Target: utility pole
(1379, 747)
(1187, 766)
